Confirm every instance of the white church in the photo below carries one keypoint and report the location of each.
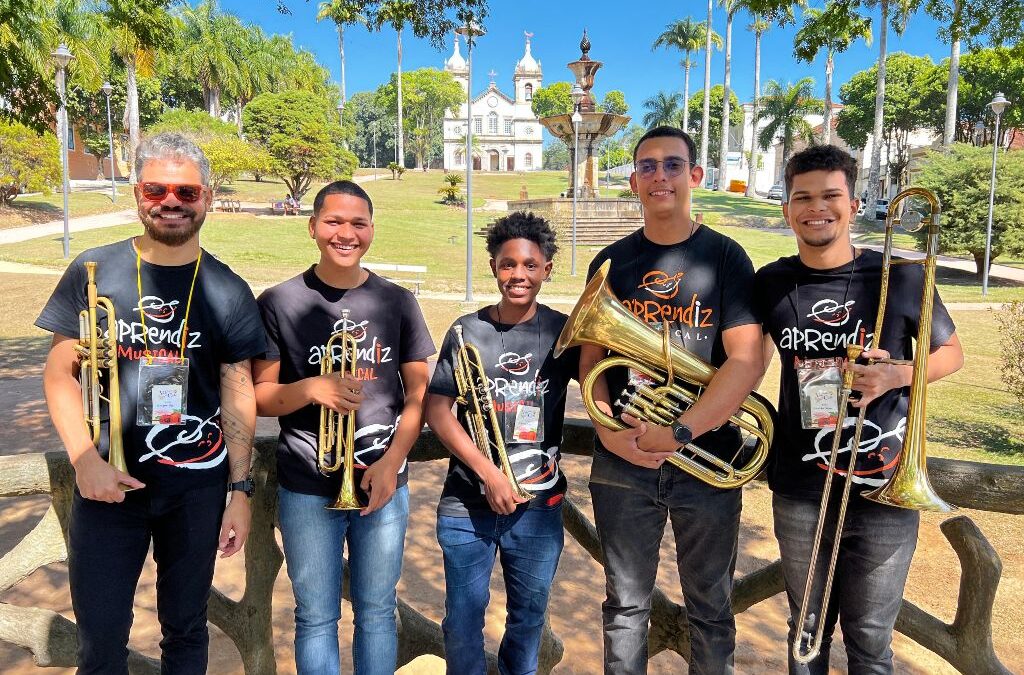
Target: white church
(506, 134)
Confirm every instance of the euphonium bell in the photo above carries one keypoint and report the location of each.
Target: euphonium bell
(336, 443)
(95, 353)
(600, 319)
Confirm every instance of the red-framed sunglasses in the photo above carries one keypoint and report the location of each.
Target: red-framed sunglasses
(157, 192)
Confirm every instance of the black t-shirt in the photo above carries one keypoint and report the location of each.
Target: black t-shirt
(223, 327)
(300, 315)
(521, 370)
(814, 314)
(702, 286)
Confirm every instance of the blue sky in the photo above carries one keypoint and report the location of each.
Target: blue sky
(621, 34)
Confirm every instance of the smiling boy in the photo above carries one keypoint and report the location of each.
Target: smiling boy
(392, 344)
(479, 514)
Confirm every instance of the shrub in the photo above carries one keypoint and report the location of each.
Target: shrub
(1011, 323)
(28, 161)
(628, 194)
(453, 179)
(396, 170)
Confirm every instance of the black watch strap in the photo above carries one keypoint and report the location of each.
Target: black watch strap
(682, 433)
(247, 486)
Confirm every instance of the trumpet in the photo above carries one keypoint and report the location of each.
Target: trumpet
(95, 353)
(484, 429)
(908, 487)
(600, 319)
(336, 443)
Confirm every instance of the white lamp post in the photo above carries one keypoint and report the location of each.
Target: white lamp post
(62, 57)
(998, 105)
(107, 89)
(470, 31)
(577, 118)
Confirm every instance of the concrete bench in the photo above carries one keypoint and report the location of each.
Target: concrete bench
(413, 275)
(232, 205)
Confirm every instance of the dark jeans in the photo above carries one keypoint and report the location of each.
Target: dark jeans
(529, 542)
(107, 548)
(631, 506)
(877, 545)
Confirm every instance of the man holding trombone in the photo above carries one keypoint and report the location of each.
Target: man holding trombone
(818, 308)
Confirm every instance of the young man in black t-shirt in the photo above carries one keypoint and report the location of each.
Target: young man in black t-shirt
(812, 305)
(185, 329)
(392, 346)
(480, 514)
(698, 280)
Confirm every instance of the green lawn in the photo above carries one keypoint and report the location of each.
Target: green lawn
(46, 208)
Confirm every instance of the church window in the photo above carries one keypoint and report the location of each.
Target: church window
(71, 137)
(508, 127)
(528, 160)
(492, 123)
(529, 91)
(478, 125)
(460, 158)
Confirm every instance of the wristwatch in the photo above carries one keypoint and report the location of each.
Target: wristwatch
(246, 486)
(682, 433)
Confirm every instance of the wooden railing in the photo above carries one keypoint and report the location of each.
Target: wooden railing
(52, 639)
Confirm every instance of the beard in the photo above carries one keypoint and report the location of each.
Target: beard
(172, 236)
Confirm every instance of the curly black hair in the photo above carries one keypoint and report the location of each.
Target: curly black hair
(822, 158)
(522, 225)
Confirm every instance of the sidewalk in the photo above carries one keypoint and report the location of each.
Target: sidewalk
(80, 224)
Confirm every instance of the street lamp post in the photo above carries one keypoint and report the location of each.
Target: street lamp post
(375, 124)
(577, 98)
(470, 31)
(107, 89)
(62, 57)
(998, 105)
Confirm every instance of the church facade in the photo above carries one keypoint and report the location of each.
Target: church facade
(507, 136)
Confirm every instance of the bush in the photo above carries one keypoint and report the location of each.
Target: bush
(231, 156)
(453, 179)
(628, 194)
(396, 170)
(28, 161)
(1011, 323)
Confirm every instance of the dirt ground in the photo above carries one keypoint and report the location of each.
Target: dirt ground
(579, 585)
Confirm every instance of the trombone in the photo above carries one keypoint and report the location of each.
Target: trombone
(481, 419)
(95, 353)
(601, 319)
(336, 438)
(908, 487)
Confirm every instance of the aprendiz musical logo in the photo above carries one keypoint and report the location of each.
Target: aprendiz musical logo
(513, 363)
(370, 351)
(874, 455)
(828, 314)
(689, 319)
(156, 309)
(661, 284)
(194, 444)
(159, 334)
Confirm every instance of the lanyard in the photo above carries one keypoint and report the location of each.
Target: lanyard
(846, 294)
(142, 312)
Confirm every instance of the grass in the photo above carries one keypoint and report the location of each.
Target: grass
(42, 208)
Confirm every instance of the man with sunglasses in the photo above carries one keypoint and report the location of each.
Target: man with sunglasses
(678, 271)
(186, 327)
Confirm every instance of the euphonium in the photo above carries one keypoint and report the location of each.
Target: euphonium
(336, 439)
(474, 393)
(600, 319)
(908, 487)
(97, 352)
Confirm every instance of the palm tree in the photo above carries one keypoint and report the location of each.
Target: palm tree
(730, 7)
(663, 110)
(261, 70)
(687, 36)
(835, 29)
(342, 13)
(705, 117)
(398, 13)
(786, 111)
(758, 26)
(211, 50)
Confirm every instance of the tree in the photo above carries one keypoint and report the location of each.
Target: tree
(706, 109)
(730, 7)
(301, 132)
(28, 161)
(210, 50)
(916, 91)
(614, 102)
(372, 127)
(196, 124)
(230, 156)
(419, 143)
(960, 179)
(835, 30)
(715, 136)
(87, 109)
(984, 72)
(556, 157)
(687, 36)
(342, 13)
(663, 109)
(397, 13)
(428, 93)
(786, 110)
(554, 99)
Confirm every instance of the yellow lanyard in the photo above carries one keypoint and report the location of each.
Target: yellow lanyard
(142, 311)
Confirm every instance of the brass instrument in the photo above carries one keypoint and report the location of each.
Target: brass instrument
(600, 319)
(336, 439)
(484, 428)
(96, 352)
(908, 487)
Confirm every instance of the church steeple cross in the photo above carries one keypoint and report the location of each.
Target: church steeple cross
(492, 75)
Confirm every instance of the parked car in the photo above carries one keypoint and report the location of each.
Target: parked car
(777, 191)
(881, 209)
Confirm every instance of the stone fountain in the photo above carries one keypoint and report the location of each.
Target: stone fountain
(599, 221)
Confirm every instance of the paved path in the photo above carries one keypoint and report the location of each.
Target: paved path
(80, 224)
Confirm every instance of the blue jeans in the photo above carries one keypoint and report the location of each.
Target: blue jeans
(631, 506)
(314, 543)
(878, 542)
(529, 541)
